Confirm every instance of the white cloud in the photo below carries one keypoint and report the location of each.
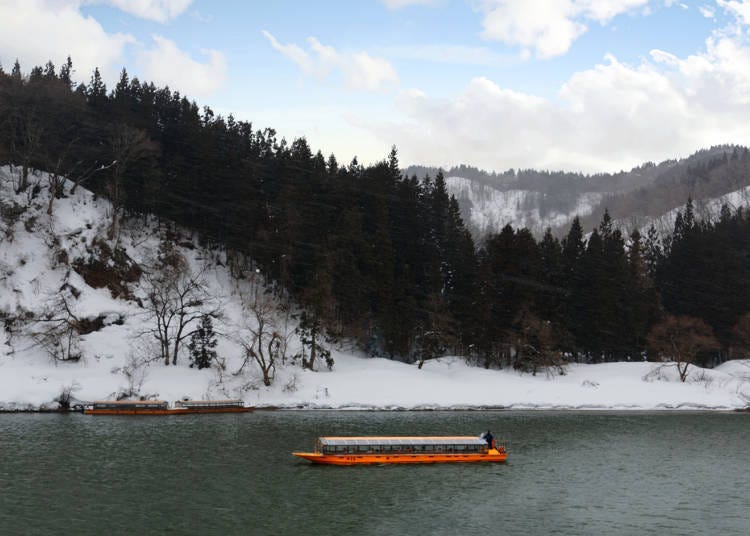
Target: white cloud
(610, 117)
(59, 29)
(398, 4)
(445, 53)
(166, 64)
(359, 70)
(157, 10)
(740, 9)
(35, 31)
(707, 11)
(547, 28)
(293, 52)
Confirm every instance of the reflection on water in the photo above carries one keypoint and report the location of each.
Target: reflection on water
(568, 473)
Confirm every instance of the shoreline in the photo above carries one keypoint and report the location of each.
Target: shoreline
(583, 409)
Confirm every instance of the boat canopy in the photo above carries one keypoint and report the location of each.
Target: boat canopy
(357, 441)
(210, 403)
(108, 404)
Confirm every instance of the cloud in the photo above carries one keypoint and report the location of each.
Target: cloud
(612, 116)
(35, 31)
(398, 4)
(60, 29)
(707, 11)
(157, 10)
(454, 54)
(547, 28)
(359, 70)
(740, 10)
(166, 64)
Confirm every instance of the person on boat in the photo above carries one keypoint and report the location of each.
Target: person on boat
(490, 439)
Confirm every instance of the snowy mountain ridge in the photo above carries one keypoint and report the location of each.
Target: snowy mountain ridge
(487, 210)
(490, 209)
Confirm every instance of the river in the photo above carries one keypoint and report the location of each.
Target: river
(567, 473)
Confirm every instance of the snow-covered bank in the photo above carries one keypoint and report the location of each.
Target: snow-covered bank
(44, 256)
(449, 383)
(373, 383)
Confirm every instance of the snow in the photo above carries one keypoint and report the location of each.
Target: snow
(31, 274)
(491, 209)
(704, 209)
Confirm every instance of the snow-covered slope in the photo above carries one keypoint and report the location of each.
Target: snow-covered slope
(705, 209)
(40, 256)
(490, 209)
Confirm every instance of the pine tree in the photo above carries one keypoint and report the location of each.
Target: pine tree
(66, 72)
(311, 335)
(202, 344)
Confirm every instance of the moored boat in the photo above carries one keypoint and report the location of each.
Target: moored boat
(213, 406)
(388, 450)
(161, 407)
(128, 407)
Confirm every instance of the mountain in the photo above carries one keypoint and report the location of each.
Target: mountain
(540, 199)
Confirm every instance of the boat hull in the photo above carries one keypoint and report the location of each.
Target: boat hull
(379, 459)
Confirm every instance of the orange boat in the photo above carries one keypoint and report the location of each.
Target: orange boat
(161, 407)
(386, 450)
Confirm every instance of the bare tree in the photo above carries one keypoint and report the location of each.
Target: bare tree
(66, 166)
(681, 339)
(741, 332)
(537, 344)
(438, 336)
(135, 374)
(128, 145)
(176, 300)
(260, 337)
(66, 395)
(81, 171)
(58, 329)
(25, 141)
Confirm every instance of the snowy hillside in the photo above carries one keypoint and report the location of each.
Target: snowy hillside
(63, 269)
(490, 209)
(705, 209)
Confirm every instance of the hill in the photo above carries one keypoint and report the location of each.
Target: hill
(636, 198)
(78, 326)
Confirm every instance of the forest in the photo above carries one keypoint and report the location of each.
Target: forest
(374, 255)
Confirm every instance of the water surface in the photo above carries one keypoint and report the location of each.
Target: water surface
(568, 473)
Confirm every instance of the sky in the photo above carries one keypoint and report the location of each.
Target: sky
(577, 85)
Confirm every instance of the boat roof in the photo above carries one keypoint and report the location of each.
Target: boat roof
(129, 402)
(228, 401)
(402, 440)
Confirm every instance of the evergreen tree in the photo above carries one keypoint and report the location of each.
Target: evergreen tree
(202, 344)
(66, 73)
(312, 335)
